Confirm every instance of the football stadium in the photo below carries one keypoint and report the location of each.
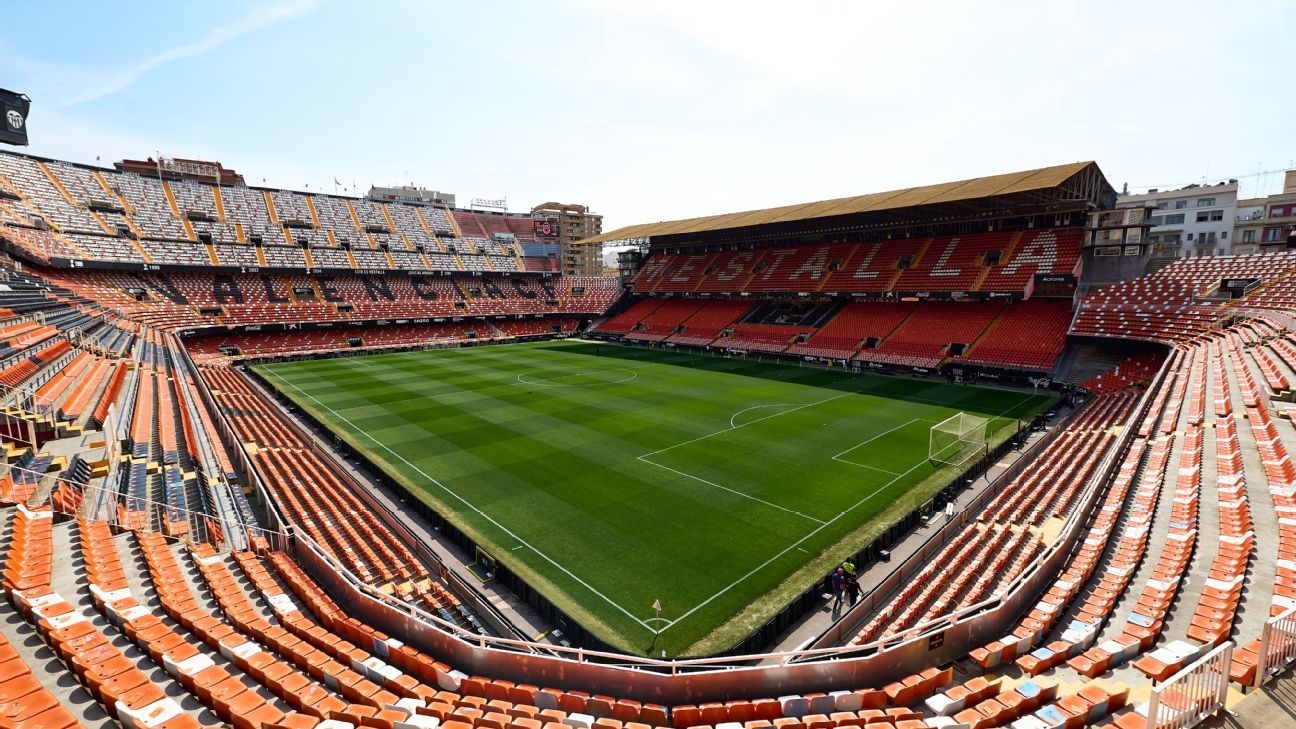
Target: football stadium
(1005, 450)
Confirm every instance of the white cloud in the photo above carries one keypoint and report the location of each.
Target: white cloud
(671, 109)
(71, 137)
(70, 86)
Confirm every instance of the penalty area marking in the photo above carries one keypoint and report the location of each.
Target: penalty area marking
(797, 544)
(863, 443)
(732, 418)
(732, 427)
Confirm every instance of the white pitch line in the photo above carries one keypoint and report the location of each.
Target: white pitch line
(470, 505)
(461, 392)
(430, 396)
(750, 422)
(797, 544)
(732, 491)
(552, 383)
(644, 457)
(733, 427)
(794, 545)
(865, 465)
(758, 407)
(838, 457)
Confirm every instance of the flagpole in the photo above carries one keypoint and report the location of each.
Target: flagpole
(657, 607)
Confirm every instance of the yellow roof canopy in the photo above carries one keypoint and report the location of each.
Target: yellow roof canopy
(947, 192)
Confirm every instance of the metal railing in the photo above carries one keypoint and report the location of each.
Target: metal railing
(1277, 646)
(1192, 694)
(138, 513)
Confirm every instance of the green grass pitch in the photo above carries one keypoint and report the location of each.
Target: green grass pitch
(611, 477)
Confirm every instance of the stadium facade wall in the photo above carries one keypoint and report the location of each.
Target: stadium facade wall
(1114, 269)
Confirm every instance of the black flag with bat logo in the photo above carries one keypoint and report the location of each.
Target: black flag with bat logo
(14, 107)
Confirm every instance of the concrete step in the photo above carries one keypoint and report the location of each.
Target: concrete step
(45, 666)
(70, 570)
(136, 571)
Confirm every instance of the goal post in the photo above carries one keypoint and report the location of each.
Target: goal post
(957, 439)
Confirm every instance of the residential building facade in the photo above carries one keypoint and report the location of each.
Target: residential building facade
(1266, 222)
(575, 224)
(1193, 221)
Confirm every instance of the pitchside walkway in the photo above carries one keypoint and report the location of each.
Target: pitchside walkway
(514, 609)
(816, 622)
(1269, 708)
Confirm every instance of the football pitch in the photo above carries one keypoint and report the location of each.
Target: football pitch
(611, 477)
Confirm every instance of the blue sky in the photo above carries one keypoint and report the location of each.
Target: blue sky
(650, 111)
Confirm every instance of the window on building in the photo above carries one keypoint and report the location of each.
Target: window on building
(1248, 236)
(1224, 235)
(1205, 202)
(1162, 205)
(1272, 235)
(1156, 220)
(1181, 204)
(1172, 239)
(1203, 216)
(1190, 236)
(1217, 215)
(1176, 219)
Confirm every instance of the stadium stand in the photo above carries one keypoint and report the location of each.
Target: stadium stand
(1172, 303)
(851, 329)
(184, 300)
(663, 320)
(162, 597)
(63, 211)
(217, 347)
(929, 333)
(977, 262)
(704, 326)
(1031, 335)
(623, 322)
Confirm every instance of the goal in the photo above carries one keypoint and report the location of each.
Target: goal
(957, 439)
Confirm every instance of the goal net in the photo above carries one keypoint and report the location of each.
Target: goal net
(957, 439)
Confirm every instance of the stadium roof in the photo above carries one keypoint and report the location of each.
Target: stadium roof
(964, 191)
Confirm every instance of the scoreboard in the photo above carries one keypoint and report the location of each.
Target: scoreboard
(545, 227)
